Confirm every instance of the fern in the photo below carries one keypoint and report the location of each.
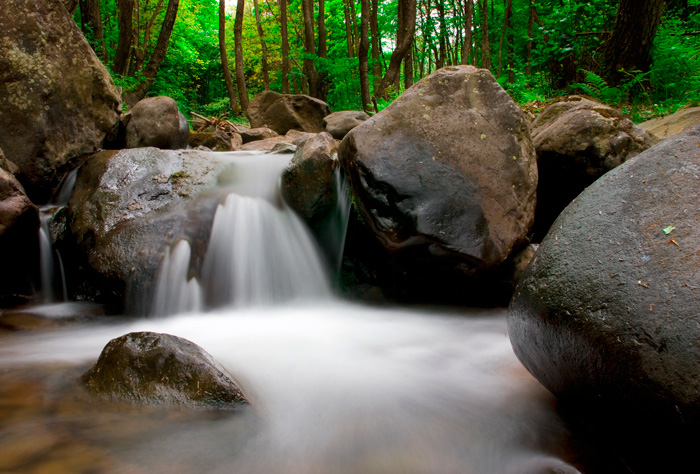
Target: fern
(596, 87)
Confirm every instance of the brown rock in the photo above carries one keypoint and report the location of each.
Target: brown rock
(57, 100)
(217, 140)
(160, 369)
(293, 138)
(577, 141)
(157, 122)
(254, 134)
(284, 112)
(447, 172)
(339, 124)
(664, 127)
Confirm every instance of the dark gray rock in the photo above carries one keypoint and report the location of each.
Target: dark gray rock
(338, 124)
(285, 112)
(607, 315)
(129, 206)
(160, 369)
(57, 100)
(447, 172)
(577, 141)
(157, 122)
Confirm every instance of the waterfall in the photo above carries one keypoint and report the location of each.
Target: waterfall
(259, 252)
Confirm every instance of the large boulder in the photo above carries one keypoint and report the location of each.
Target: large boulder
(578, 140)
(254, 134)
(159, 369)
(57, 100)
(215, 140)
(607, 315)
(19, 227)
(338, 124)
(157, 122)
(291, 140)
(446, 175)
(127, 208)
(284, 112)
(664, 127)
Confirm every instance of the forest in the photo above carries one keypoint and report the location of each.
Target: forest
(212, 56)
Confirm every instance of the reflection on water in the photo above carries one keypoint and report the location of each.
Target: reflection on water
(335, 388)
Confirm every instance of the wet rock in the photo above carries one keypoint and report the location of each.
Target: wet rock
(578, 140)
(19, 226)
(57, 100)
(606, 315)
(160, 369)
(128, 207)
(338, 124)
(664, 127)
(157, 122)
(308, 184)
(446, 175)
(217, 140)
(284, 112)
(254, 134)
(293, 138)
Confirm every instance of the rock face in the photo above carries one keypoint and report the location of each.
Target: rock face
(446, 174)
(577, 141)
(284, 112)
(19, 226)
(216, 140)
(160, 369)
(607, 315)
(254, 134)
(308, 184)
(57, 101)
(157, 122)
(291, 140)
(338, 124)
(126, 209)
(664, 127)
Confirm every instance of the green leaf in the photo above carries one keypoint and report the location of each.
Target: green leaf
(669, 229)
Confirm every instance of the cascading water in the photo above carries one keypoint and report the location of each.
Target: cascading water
(335, 387)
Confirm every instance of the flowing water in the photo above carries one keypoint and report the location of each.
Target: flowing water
(335, 387)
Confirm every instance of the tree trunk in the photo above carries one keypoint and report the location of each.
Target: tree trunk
(156, 60)
(348, 29)
(354, 23)
(322, 77)
(374, 29)
(408, 69)
(509, 26)
(285, 46)
(485, 47)
(224, 58)
(362, 54)
(91, 21)
(263, 45)
(126, 28)
(467, 46)
(403, 45)
(238, 45)
(499, 69)
(307, 7)
(629, 46)
(140, 51)
(443, 34)
(528, 46)
(71, 6)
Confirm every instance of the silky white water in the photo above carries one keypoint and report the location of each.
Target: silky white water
(335, 387)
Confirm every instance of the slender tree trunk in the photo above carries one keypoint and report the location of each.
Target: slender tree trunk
(467, 45)
(238, 45)
(71, 6)
(156, 60)
(307, 7)
(408, 69)
(485, 47)
(140, 51)
(285, 46)
(348, 29)
(443, 34)
(509, 26)
(374, 29)
(354, 23)
(403, 45)
(224, 58)
(91, 22)
(322, 77)
(629, 46)
(263, 45)
(362, 54)
(126, 28)
(528, 46)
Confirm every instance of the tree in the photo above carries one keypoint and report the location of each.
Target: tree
(126, 26)
(629, 46)
(263, 46)
(404, 38)
(322, 77)
(238, 42)
(485, 47)
(364, 49)
(149, 74)
(307, 7)
(224, 57)
(91, 22)
(374, 29)
(467, 45)
(284, 33)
